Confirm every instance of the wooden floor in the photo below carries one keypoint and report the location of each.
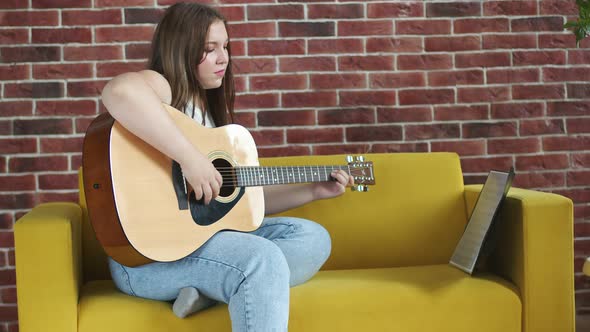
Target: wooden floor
(583, 323)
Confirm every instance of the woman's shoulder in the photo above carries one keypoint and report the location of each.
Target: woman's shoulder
(158, 83)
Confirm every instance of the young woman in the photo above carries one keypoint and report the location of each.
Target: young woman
(190, 69)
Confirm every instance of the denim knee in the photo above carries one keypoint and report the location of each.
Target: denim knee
(266, 263)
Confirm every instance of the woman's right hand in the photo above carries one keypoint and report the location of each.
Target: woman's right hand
(202, 176)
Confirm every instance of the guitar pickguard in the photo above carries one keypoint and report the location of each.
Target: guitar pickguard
(205, 215)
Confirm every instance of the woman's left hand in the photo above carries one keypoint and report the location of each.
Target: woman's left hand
(329, 189)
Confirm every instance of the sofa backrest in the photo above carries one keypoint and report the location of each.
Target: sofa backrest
(413, 215)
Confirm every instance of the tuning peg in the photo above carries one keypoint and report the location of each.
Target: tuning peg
(349, 159)
(360, 159)
(360, 188)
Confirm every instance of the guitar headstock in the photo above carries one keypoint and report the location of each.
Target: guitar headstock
(361, 172)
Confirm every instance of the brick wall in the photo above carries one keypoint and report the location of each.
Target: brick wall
(499, 82)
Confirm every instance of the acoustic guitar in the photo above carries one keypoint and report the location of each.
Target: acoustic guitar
(137, 197)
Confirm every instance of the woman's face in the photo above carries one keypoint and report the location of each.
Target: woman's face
(211, 70)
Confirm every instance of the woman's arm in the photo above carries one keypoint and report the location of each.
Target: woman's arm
(135, 100)
(279, 198)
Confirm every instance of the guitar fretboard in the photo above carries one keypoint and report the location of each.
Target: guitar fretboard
(249, 176)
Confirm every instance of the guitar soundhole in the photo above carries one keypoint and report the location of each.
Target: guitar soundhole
(228, 174)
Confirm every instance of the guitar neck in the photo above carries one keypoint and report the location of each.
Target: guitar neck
(251, 176)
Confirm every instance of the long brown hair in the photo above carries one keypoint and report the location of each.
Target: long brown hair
(178, 46)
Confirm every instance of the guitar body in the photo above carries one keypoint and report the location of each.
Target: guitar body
(133, 205)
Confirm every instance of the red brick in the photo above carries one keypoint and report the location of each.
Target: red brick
(570, 143)
(91, 17)
(291, 150)
(541, 127)
(2, 166)
(462, 147)
(392, 10)
(17, 182)
(365, 28)
(509, 41)
(488, 129)
(253, 30)
(112, 69)
(356, 149)
(140, 51)
(58, 181)
(16, 202)
(233, 13)
(514, 145)
(396, 80)
(394, 45)
(517, 110)
(18, 145)
(403, 114)
(30, 54)
(538, 91)
(558, 7)
(88, 53)
(123, 34)
(560, 41)
(455, 77)
(315, 135)
(62, 71)
(490, 59)
(34, 90)
(332, 46)
(578, 126)
(38, 164)
(364, 63)
(273, 12)
(581, 229)
(343, 11)
(500, 8)
(276, 47)
(8, 295)
(580, 160)
(14, 37)
(86, 88)
(75, 161)
(578, 57)
(249, 101)
(424, 62)
(363, 98)
(576, 195)
(276, 82)
(479, 25)
(306, 29)
(452, 44)
(423, 27)
(485, 164)
(578, 91)
(374, 133)
(268, 137)
(453, 9)
(8, 313)
(541, 162)
(431, 131)
(66, 107)
(346, 116)
(338, 81)
(485, 94)
(42, 126)
(538, 180)
(565, 74)
(399, 147)
(5, 127)
(309, 99)
(18, 108)
(254, 66)
(143, 15)
(61, 3)
(237, 48)
(426, 96)
(46, 197)
(544, 23)
(61, 36)
(322, 63)
(528, 75)
(30, 18)
(127, 3)
(67, 144)
(246, 119)
(528, 58)
(14, 4)
(283, 118)
(454, 113)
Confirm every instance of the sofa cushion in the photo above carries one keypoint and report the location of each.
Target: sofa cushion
(421, 298)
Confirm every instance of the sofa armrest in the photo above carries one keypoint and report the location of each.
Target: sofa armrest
(534, 250)
(48, 267)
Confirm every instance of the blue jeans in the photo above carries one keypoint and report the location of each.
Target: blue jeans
(251, 272)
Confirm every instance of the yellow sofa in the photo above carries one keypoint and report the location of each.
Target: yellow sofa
(388, 270)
